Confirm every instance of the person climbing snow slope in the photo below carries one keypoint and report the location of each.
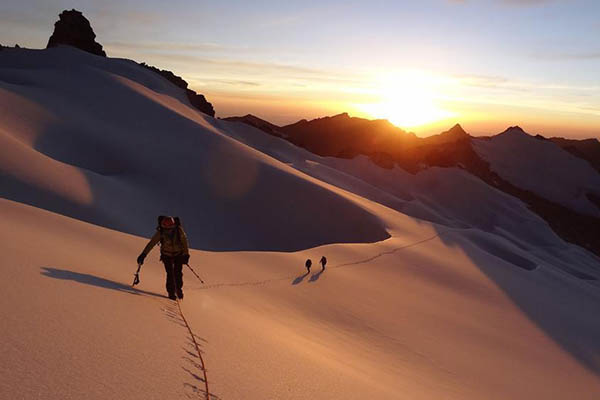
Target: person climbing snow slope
(323, 263)
(308, 265)
(174, 253)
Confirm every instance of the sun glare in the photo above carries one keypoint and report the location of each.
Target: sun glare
(406, 100)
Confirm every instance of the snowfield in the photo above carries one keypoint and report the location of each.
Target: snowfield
(437, 287)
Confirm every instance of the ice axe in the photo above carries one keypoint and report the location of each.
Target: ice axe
(136, 278)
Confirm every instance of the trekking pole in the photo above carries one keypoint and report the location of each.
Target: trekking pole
(188, 265)
(136, 280)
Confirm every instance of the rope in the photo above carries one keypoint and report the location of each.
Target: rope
(385, 253)
(363, 261)
(217, 285)
(197, 348)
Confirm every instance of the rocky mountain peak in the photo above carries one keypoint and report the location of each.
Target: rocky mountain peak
(73, 29)
(515, 130)
(343, 115)
(456, 130)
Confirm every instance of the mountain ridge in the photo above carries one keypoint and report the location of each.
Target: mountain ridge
(451, 148)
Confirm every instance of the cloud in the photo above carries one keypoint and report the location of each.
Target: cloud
(502, 83)
(167, 46)
(196, 57)
(226, 68)
(262, 66)
(233, 82)
(482, 80)
(104, 20)
(591, 108)
(511, 2)
(589, 55)
(526, 2)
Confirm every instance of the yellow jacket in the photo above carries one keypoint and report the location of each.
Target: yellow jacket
(171, 244)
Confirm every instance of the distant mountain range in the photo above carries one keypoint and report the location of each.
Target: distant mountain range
(557, 178)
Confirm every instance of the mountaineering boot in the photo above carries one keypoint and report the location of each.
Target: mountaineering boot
(180, 294)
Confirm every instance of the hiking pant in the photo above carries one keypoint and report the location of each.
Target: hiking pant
(174, 269)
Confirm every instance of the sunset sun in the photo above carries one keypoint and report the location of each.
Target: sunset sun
(407, 101)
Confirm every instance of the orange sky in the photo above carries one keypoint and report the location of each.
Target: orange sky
(426, 65)
(441, 108)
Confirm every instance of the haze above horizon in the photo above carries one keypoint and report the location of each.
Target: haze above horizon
(485, 64)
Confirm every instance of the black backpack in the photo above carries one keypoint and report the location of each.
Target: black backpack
(177, 225)
(161, 217)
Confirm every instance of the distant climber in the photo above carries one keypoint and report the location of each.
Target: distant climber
(323, 262)
(308, 264)
(173, 253)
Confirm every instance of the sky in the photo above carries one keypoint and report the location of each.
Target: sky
(424, 65)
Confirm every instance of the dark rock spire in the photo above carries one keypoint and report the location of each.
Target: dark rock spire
(74, 29)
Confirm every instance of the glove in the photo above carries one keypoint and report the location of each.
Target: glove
(185, 259)
(140, 259)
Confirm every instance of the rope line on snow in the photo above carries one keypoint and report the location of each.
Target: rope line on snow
(363, 261)
(255, 283)
(197, 348)
(217, 285)
(385, 253)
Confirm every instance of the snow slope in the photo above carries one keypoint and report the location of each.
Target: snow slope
(106, 141)
(427, 321)
(471, 296)
(542, 167)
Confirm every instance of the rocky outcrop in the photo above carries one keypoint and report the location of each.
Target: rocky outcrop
(73, 29)
(168, 75)
(197, 100)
